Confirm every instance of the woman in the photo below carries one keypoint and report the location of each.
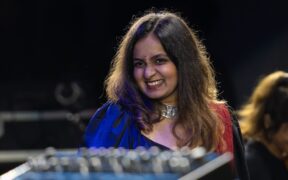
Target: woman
(162, 92)
(264, 123)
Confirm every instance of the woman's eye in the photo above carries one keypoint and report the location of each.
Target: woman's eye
(138, 64)
(160, 61)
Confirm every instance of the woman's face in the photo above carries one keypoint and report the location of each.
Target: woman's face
(154, 72)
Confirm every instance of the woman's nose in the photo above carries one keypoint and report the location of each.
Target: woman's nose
(149, 71)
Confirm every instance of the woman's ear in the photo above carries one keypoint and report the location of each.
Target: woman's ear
(267, 121)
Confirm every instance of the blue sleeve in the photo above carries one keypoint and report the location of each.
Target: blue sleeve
(108, 127)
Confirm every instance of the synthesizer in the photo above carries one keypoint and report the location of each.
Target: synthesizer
(120, 163)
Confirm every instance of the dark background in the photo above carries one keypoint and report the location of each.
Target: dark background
(47, 44)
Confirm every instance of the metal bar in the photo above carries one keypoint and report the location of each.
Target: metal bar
(43, 115)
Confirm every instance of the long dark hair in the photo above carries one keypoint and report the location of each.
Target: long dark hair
(196, 81)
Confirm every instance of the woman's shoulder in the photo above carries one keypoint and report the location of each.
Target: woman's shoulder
(257, 158)
(222, 109)
(108, 112)
(108, 107)
(108, 123)
(255, 150)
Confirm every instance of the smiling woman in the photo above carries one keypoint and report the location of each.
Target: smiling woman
(162, 92)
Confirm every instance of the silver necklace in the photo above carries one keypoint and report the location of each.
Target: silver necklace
(168, 111)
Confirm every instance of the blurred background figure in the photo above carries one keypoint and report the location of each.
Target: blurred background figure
(264, 124)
